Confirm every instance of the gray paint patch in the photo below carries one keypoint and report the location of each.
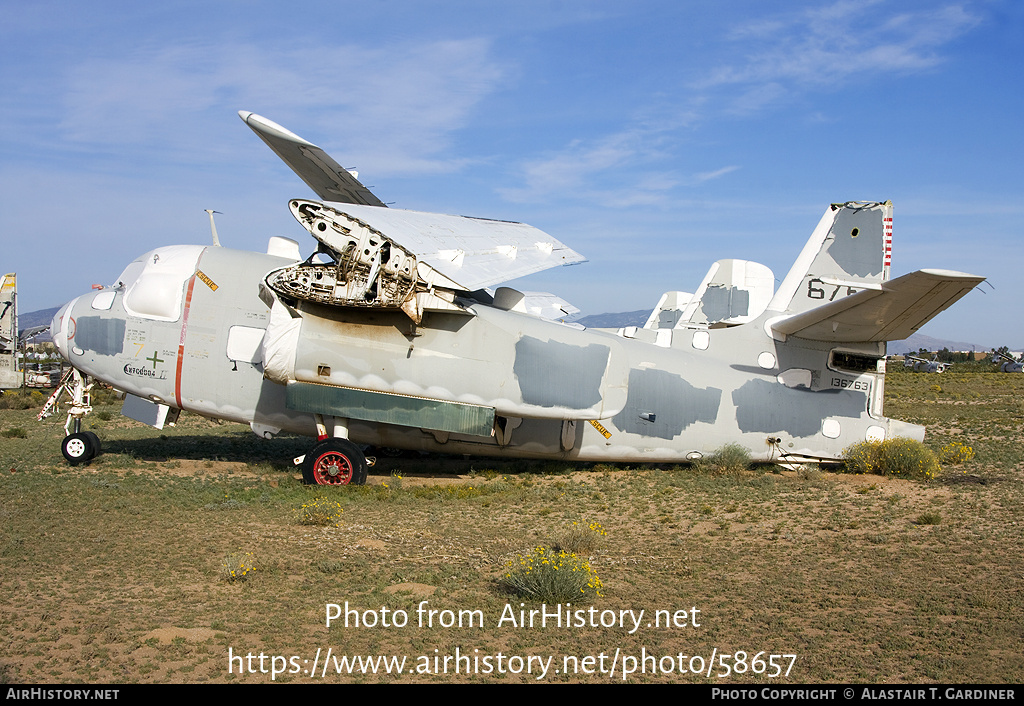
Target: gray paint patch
(851, 253)
(675, 403)
(101, 336)
(763, 406)
(720, 302)
(553, 374)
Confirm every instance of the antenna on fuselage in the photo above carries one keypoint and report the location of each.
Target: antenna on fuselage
(213, 227)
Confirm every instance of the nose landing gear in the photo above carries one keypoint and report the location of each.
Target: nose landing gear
(81, 447)
(77, 446)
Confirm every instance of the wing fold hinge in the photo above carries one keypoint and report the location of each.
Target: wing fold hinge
(363, 268)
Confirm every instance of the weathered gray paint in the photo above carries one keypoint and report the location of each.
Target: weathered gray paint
(674, 402)
(391, 409)
(859, 255)
(763, 406)
(721, 302)
(101, 335)
(553, 374)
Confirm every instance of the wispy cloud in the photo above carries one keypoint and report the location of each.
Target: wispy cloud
(827, 45)
(404, 100)
(708, 176)
(623, 169)
(756, 66)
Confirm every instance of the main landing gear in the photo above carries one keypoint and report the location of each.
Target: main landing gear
(334, 460)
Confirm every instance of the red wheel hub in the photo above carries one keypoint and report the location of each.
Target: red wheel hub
(332, 468)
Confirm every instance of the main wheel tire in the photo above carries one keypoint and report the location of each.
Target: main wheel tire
(78, 448)
(334, 462)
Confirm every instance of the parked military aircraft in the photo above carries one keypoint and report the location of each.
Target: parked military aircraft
(920, 365)
(389, 335)
(1008, 364)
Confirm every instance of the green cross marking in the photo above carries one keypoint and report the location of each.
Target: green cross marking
(155, 360)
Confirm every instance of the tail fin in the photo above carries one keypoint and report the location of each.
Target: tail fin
(849, 250)
(839, 288)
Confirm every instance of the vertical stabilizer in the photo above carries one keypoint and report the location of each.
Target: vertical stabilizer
(848, 251)
(9, 377)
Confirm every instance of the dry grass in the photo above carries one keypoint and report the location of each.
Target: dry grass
(113, 572)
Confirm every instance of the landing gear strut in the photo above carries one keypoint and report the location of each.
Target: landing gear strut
(78, 446)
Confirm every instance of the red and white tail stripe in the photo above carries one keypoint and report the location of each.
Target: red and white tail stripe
(887, 260)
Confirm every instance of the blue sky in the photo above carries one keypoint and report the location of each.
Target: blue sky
(653, 137)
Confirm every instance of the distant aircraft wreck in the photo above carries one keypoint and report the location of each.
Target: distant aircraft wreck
(9, 377)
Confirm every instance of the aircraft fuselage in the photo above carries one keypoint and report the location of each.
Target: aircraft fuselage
(192, 332)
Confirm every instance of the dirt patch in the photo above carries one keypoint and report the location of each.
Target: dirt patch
(415, 590)
(167, 635)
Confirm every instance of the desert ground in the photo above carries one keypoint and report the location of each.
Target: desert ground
(120, 571)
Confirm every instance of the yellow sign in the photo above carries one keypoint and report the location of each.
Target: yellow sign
(206, 280)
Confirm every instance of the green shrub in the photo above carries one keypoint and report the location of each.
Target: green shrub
(580, 537)
(728, 460)
(319, 512)
(16, 399)
(238, 565)
(329, 566)
(954, 453)
(899, 457)
(547, 575)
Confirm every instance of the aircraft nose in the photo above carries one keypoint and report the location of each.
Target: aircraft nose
(59, 328)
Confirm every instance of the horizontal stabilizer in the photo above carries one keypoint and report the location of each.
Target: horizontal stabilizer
(324, 176)
(892, 312)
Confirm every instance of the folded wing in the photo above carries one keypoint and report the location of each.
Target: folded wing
(328, 179)
(460, 252)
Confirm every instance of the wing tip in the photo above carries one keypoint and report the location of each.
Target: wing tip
(259, 124)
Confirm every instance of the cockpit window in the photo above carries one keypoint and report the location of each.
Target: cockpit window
(154, 284)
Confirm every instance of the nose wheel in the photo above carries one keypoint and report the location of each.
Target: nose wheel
(334, 462)
(80, 447)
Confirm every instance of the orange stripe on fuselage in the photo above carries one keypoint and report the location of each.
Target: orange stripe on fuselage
(181, 340)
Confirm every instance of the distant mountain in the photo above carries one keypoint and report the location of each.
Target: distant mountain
(36, 318)
(919, 341)
(32, 319)
(910, 345)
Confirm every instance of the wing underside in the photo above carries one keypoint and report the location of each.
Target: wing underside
(328, 179)
(471, 252)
